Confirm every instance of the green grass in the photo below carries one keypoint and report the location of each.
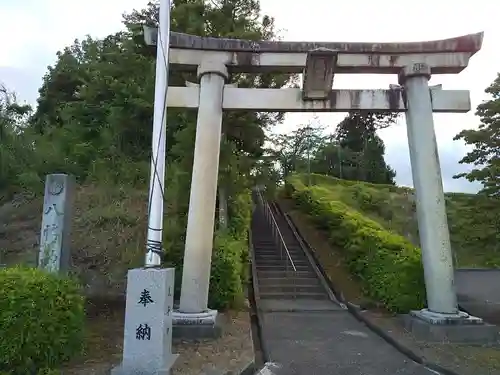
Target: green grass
(473, 220)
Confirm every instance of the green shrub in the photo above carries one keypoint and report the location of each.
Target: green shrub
(387, 264)
(226, 284)
(41, 320)
(240, 212)
(229, 272)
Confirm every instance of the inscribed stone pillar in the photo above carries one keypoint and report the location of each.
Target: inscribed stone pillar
(147, 342)
(55, 239)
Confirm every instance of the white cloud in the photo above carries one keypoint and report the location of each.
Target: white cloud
(450, 153)
(50, 25)
(37, 29)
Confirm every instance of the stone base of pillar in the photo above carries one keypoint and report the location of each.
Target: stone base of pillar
(124, 370)
(456, 328)
(460, 318)
(194, 326)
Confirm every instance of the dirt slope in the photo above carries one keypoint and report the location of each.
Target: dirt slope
(108, 234)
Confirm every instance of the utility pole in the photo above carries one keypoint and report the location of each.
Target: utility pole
(158, 152)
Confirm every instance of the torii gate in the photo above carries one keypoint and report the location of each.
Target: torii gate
(214, 58)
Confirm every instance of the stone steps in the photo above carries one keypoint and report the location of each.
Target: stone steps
(299, 281)
(263, 274)
(294, 295)
(291, 288)
(275, 276)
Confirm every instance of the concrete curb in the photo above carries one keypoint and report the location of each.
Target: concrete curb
(396, 344)
(269, 368)
(355, 311)
(256, 300)
(249, 369)
(469, 269)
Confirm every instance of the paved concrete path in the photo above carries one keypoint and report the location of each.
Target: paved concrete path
(329, 342)
(478, 292)
(320, 338)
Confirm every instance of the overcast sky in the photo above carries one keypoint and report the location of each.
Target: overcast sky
(34, 30)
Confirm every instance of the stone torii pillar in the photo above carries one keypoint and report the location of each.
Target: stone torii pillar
(212, 75)
(431, 210)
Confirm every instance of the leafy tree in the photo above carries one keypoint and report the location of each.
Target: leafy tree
(333, 160)
(15, 151)
(293, 151)
(353, 152)
(230, 19)
(266, 172)
(96, 102)
(486, 142)
(60, 85)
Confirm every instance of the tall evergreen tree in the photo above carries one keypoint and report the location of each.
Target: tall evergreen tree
(357, 133)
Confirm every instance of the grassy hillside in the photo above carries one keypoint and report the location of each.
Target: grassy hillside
(108, 234)
(108, 238)
(474, 220)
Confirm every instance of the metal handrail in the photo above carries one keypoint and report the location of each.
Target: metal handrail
(289, 256)
(276, 232)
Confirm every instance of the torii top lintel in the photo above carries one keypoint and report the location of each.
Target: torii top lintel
(470, 43)
(318, 62)
(447, 56)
